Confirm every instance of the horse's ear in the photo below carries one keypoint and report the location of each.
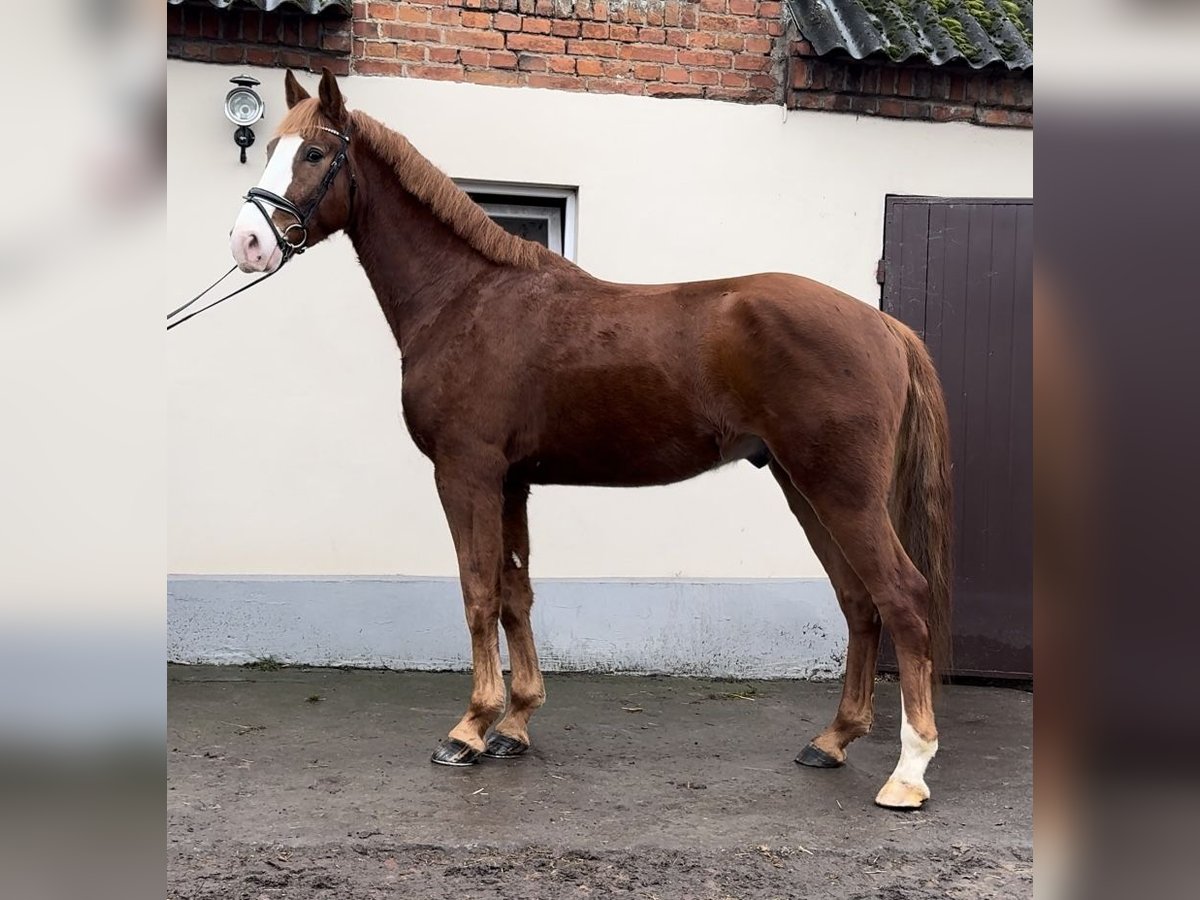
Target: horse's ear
(293, 90)
(332, 103)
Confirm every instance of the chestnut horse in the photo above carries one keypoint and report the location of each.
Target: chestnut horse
(519, 368)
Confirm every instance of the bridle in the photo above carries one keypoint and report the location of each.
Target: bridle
(302, 214)
(262, 199)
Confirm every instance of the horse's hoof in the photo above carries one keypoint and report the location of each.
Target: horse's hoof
(501, 746)
(814, 756)
(898, 794)
(453, 752)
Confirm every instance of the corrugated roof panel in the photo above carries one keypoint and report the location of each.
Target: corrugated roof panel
(309, 6)
(977, 32)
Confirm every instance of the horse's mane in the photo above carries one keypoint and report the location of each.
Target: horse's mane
(427, 183)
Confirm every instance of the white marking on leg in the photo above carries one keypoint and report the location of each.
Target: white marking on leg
(516, 559)
(915, 753)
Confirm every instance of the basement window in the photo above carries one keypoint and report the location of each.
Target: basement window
(535, 212)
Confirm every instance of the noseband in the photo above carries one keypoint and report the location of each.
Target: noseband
(302, 214)
(262, 199)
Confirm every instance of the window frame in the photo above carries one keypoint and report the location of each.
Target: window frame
(569, 197)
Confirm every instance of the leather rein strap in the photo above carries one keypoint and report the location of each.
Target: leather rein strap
(262, 199)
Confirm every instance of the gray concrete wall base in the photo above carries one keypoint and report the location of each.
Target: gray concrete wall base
(754, 628)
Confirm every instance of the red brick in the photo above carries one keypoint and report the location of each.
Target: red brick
(492, 77)
(756, 44)
(671, 12)
(379, 49)
(754, 26)
(714, 6)
(731, 42)
(589, 67)
(742, 7)
(445, 17)
(259, 56)
(476, 20)
(537, 42)
(734, 79)
(536, 26)
(529, 62)
(446, 54)
(675, 74)
(622, 33)
(228, 54)
(378, 67)
(507, 22)
(492, 40)
(674, 90)
(562, 28)
(719, 23)
(648, 71)
(600, 10)
(338, 43)
(469, 56)
(593, 48)
(411, 52)
(366, 29)
(502, 59)
(435, 73)
(613, 86)
(769, 9)
(701, 40)
(705, 58)
(764, 82)
(677, 37)
(413, 14)
(408, 32)
(748, 63)
(557, 82)
(562, 64)
(595, 30)
(649, 54)
(652, 35)
(942, 112)
(381, 10)
(194, 50)
(704, 76)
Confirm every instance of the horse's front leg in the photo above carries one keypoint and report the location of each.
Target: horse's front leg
(473, 503)
(511, 737)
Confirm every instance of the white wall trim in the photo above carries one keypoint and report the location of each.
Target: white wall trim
(745, 628)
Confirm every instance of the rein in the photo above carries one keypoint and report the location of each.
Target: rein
(262, 199)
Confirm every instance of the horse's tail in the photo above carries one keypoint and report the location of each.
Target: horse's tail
(921, 501)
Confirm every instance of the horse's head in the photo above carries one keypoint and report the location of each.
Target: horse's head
(305, 192)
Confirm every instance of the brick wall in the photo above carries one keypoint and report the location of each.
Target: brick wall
(720, 49)
(992, 96)
(723, 49)
(287, 37)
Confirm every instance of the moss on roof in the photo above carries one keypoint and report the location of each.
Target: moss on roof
(980, 32)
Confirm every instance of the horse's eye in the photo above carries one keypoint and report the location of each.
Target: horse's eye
(315, 154)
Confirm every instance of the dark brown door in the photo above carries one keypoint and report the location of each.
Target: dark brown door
(960, 273)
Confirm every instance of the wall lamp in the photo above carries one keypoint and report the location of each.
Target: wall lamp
(243, 107)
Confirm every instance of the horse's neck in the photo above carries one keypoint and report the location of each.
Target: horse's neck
(414, 261)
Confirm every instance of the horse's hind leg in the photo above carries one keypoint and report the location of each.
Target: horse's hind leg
(856, 710)
(900, 593)
(849, 494)
(511, 737)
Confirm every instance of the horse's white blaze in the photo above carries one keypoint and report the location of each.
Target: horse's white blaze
(915, 753)
(262, 253)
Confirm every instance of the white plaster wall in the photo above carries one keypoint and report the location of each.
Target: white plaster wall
(287, 453)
